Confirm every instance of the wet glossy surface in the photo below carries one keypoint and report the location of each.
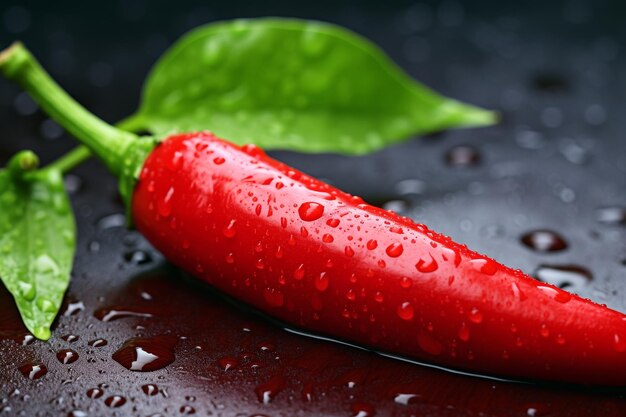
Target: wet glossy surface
(556, 162)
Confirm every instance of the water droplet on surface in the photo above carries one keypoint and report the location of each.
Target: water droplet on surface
(219, 160)
(227, 363)
(517, 292)
(150, 389)
(147, 354)
(405, 399)
(475, 315)
(555, 293)
(611, 215)
(267, 391)
(396, 229)
(33, 370)
(27, 290)
(298, 274)
(310, 211)
(427, 265)
(314, 43)
(406, 282)
(45, 305)
(410, 186)
(115, 313)
(70, 338)
(25, 339)
(164, 206)
(321, 282)
(575, 152)
(333, 222)
(405, 311)
(230, 230)
(462, 156)
(544, 241)
(115, 401)
(363, 410)
(72, 183)
(349, 251)
(327, 238)
(394, 250)
(571, 277)
(260, 264)
(397, 206)
(67, 356)
(94, 246)
(111, 221)
(201, 146)
(485, 266)
(95, 393)
(137, 257)
(187, 410)
(619, 343)
(98, 342)
(536, 410)
(371, 244)
(74, 308)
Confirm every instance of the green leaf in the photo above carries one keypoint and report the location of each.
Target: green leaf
(292, 84)
(37, 243)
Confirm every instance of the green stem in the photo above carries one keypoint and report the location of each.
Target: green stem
(107, 142)
(70, 159)
(81, 153)
(133, 123)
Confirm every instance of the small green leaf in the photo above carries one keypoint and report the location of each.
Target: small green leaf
(37, 242)
(292, 84)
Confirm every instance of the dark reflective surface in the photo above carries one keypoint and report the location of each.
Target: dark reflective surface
(556, 162)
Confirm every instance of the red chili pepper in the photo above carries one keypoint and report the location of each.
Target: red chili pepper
(320, 259)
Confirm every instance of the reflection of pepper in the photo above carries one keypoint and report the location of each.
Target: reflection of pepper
(320, 259)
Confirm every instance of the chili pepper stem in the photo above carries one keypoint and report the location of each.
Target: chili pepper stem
(81, 153)
(107, 142)
(71, 159)
(133, 123)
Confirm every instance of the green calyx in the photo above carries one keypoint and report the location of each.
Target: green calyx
(121, 151)
(133, 161)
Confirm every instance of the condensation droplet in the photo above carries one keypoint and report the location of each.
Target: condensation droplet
(394, 250)
(405, 311)
(310, 211)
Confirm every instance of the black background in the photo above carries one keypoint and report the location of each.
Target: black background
(556, 71)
